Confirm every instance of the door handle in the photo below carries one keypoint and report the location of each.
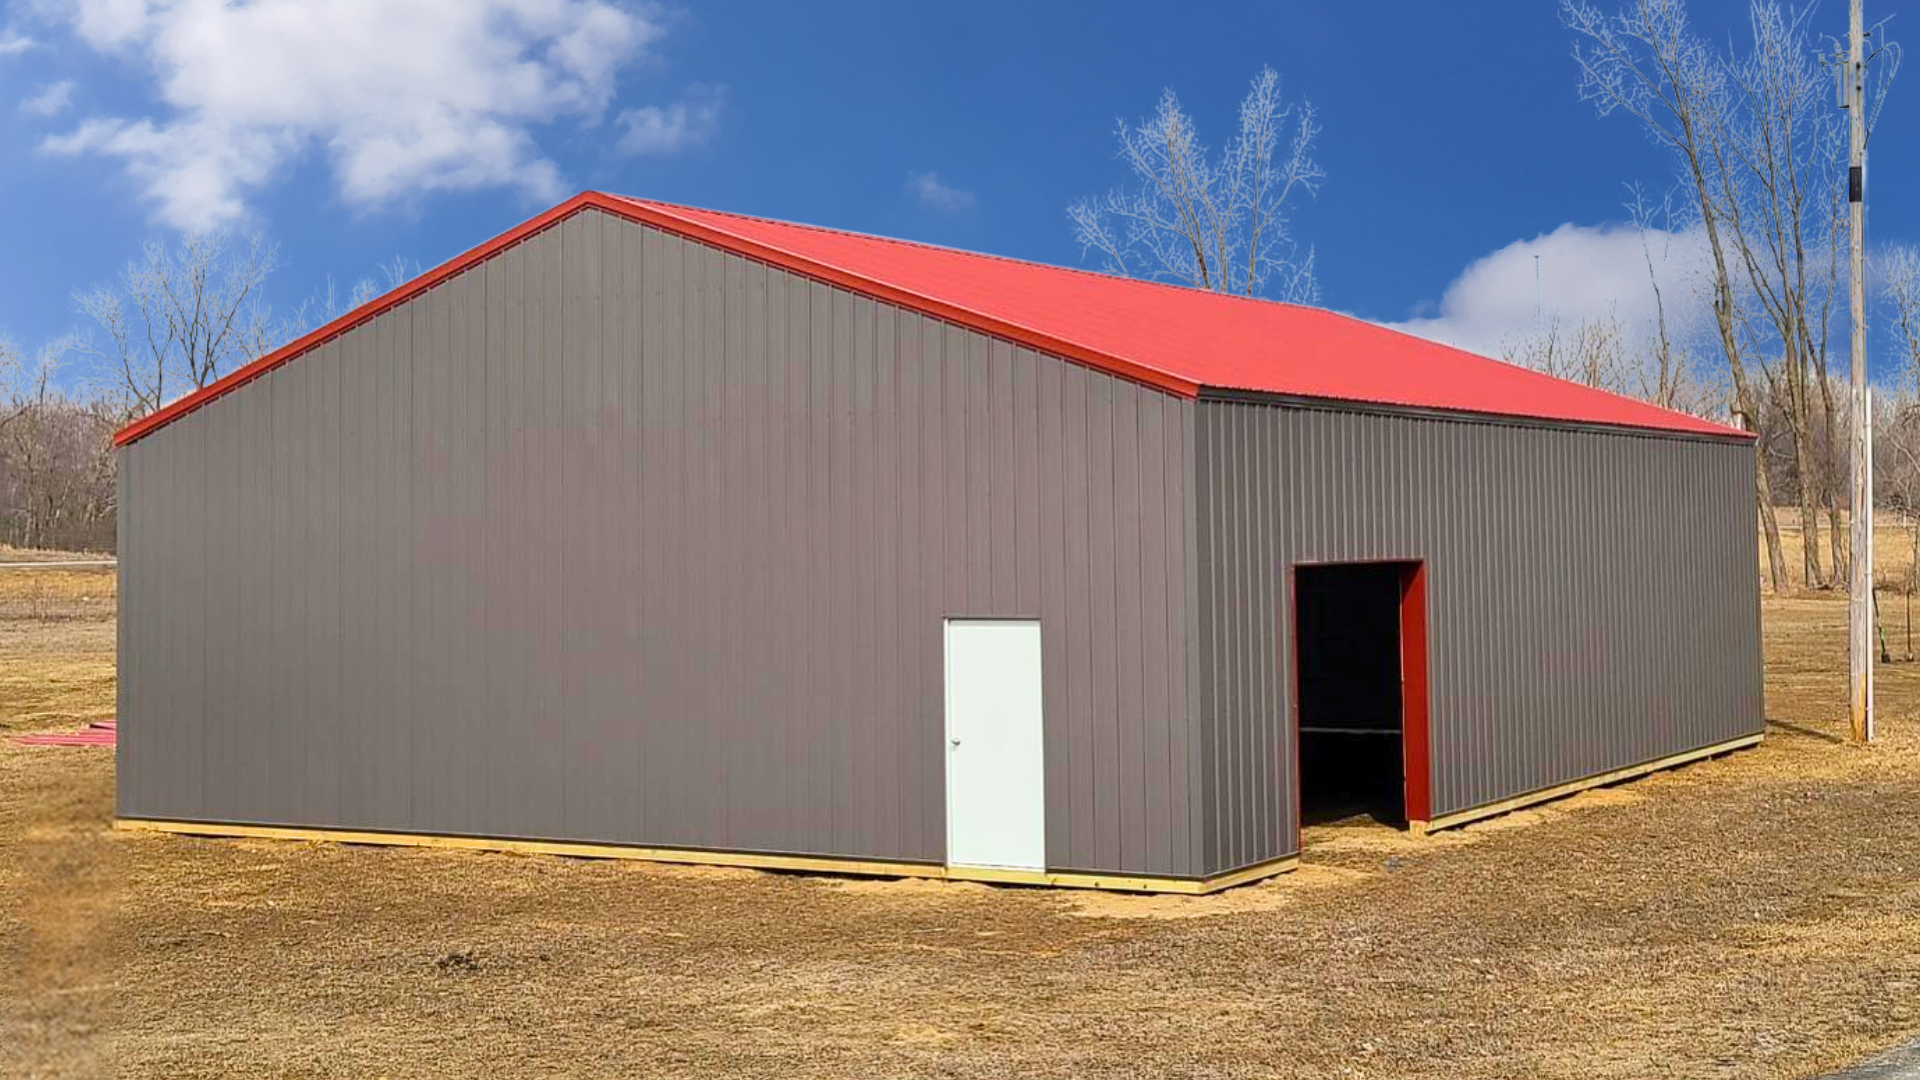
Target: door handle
(955, 742)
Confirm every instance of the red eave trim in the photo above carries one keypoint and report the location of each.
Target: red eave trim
(649, 215)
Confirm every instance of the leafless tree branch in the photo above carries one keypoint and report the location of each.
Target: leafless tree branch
(182, 316)
(1220, 224)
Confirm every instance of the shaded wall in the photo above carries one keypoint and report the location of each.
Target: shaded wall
(615, 537)
(1592, 600)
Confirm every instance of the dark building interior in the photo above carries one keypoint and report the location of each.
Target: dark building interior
(1347, 626)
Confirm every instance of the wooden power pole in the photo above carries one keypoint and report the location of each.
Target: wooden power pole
(1860, 585)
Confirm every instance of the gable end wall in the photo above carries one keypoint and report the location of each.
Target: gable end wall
(616, 537)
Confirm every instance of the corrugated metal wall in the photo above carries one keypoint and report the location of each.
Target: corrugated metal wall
(1592, 597)
(618, 538)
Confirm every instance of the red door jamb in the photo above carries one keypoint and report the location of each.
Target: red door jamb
(1293, 698)
(1413, 693)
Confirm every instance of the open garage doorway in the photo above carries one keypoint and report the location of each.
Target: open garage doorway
(1360, 703)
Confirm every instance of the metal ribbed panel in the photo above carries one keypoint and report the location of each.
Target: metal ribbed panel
(617, 538)
(1592, 601)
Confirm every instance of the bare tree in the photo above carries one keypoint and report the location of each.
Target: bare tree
(1900, 270)
(56, 464)
(1897, 431)
(1896, 467)
(1759, 147)
(1646, 61)
(1212, 224)
(182, 317)
(1603, 353)
(1669, 375)
(1592, 352)
(1757, 144)
(326, 307)
(1663, 346)
(10, 371)
(1780, 189)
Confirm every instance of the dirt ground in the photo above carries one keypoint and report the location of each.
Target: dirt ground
(1754, 916)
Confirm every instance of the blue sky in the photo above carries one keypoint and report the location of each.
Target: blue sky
(1452, 132)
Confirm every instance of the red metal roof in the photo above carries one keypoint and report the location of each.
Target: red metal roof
(1181, 340)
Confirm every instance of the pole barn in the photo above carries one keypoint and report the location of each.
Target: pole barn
(663, 533)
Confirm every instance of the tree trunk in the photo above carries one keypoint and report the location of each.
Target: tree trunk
(1800, 424)
(1769, 523)
(1838, 542)
(1913, 566)
(1762, 485)
(1811, 575)
(1830, 483)
(1723, 317)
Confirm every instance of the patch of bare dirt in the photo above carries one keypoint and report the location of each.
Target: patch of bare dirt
(1274, 894)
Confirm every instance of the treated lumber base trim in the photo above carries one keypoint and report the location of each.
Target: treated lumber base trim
(1120, 882)
(1558, 791)
(749, 860)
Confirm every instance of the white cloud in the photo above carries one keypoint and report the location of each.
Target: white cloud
(13, 44)
(653, 129)
(928, 188)
(1586, 272)
(401, 96)
(50, 101)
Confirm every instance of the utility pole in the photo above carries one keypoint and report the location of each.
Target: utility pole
(1536, 294)
(1860, 585)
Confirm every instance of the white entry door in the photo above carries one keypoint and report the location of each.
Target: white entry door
(996, 805)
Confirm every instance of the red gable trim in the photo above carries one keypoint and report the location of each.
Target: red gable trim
(292, 350)
(647, 215)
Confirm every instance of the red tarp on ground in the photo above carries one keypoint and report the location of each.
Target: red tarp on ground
(97, 733)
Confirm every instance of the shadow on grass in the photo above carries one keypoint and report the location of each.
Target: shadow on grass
(1823, 736)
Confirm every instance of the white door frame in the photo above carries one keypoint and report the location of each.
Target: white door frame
(995, 819)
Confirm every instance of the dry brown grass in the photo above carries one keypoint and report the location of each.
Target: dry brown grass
(11, 554)
(1892, 550)
(56, 595)
(56, 646)
(59, 874)
(1756, 916)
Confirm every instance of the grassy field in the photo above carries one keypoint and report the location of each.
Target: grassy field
(1892, 548)
(1755, 916)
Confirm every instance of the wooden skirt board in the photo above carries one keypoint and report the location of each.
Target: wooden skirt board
(748, 860)
(1448, 821)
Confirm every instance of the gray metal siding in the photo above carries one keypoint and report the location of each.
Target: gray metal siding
(615, 537)
(1592, 600)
